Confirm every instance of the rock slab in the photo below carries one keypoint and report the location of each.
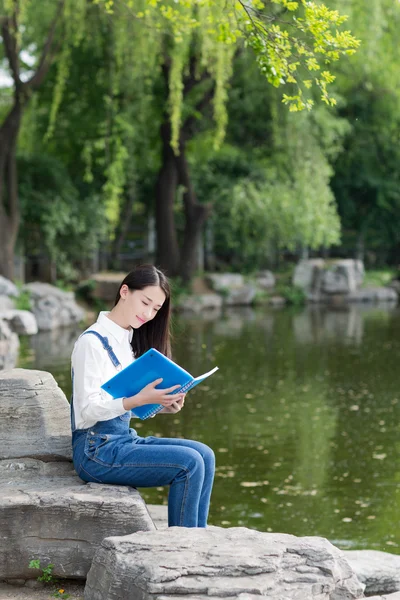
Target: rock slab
(53, 307)
(48, 513)
(378, 571)
(202, 563)
(35, 419)
(9, 346)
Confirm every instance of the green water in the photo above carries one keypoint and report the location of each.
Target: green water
(303, 417)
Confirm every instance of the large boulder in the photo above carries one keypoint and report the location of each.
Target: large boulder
(46, 511)
(215, 562)
(53, 307)
(8, 288)
(6, 303)
(22, 322)
(338, 282)
(233, 288)
(378, 571)
(35, 418)
(200, 302)
(9, 347)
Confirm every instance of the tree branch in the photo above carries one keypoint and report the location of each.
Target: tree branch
(10, 45)
(48, 52)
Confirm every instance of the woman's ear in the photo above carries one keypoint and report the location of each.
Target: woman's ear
(123, 292)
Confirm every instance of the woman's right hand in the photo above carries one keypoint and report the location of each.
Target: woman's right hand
(151, 395)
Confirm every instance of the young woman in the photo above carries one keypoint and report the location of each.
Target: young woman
(105, 449)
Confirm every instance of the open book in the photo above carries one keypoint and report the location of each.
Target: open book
(147, 368)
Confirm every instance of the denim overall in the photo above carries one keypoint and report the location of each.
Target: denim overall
(110, 452)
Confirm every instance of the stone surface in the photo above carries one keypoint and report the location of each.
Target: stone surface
(9, 346)
(8, 288)
(48, 513)
(200, 302)
(222, 282)
(53, 307)
(242, 296)
(6, 303)
(32, 401)
(265, 280)
(277, 301)
(395, 596)
(75, 590)
(375, 294)
(306, 273)
(379, 571)
(338, 282)
(106, 286)
(159, 515)
(203, 563)
(233, 289)
(20, 321)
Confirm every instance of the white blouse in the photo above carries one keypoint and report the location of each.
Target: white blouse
(92, 367)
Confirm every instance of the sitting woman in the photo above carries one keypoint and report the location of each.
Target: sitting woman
(105, 449)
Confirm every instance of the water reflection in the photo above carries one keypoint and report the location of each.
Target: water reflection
(303, 416)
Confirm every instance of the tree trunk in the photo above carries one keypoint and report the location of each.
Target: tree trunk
(9, 211)
(123, 227)
(196, 215)
(166, 188)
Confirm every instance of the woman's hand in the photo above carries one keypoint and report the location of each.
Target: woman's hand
(175, 407)
(151, 395)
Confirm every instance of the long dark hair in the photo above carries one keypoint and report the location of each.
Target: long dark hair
(155, 333)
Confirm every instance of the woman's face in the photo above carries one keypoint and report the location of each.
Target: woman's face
(140, 306)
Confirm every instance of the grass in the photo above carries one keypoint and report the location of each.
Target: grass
(379, 277)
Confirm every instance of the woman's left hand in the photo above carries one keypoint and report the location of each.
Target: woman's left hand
(175, 407)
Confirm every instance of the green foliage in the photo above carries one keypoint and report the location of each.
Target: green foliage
(379, 277)
(55, 220)
(293, 51)
(48, 578)
(46, 572)
(294, 296)
(23, 302)
(179, 289)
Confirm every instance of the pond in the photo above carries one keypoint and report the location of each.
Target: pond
(303, 416)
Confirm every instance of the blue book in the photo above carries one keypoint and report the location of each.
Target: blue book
(147, 368)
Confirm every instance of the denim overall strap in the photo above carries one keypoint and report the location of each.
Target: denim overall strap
(113, 358)
(107, 347)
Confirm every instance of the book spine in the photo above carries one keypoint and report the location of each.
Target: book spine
(151, 413)
(184, 388)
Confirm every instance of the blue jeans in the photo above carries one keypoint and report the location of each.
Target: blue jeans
(111, 452)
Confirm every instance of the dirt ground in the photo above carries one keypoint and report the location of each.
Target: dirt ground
(12, 592)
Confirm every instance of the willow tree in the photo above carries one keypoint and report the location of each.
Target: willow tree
(190, 41)
(37, 32)
(193, 43)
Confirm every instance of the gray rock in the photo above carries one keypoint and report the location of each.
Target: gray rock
(9, 346)
(31, 401)
(395, 596)
(200, 302)
(379, 571)
(375, 294)
(233, 289)
(6, 303)
(48, 513)
(8, 288)
(53, 307)
(242, 296)
(159, 514)
(221, 282)
(265, 280)
(277, 301)
(20, 321)
(307, 272)
(215, 562)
